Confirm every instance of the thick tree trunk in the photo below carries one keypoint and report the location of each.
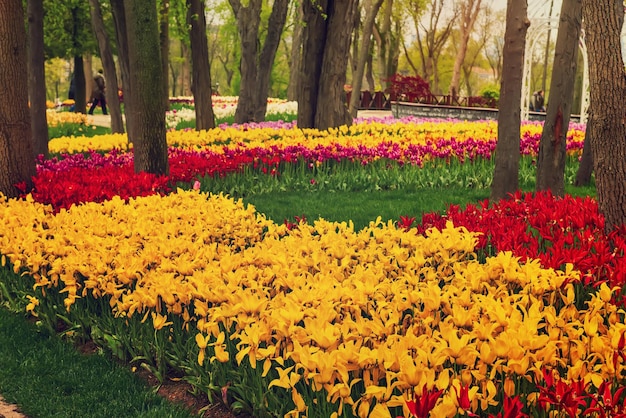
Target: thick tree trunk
(201, 87)
(248, 21)
(37, 78)
(332, 110)
(17, 162)
(603, 25)
(505, 175)
(585, 167)
(364, 53)
(108, 64)
(313, 43)
(148, 112)
(119, 18)
(296, 55)
(551, 158)
(275, 26)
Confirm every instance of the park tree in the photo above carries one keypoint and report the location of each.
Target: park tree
(17, 162)
(68, 35)
(201, 79)
(108, 65)
(37, 78)
(388, 36)
(371, 8)
(507, 154)
(468, 11)
(295, 55)
(433, 31)
(551, 157)
(256, 60)
(494, 47)
(325, 50)
(145, 70)
(606, 128)
(476, 47)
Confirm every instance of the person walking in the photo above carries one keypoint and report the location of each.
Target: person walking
(97, 94)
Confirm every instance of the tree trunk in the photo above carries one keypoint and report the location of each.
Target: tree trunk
(469, 13)
(17, 162)
(505, 175)
(607, 81)
(326, 44)
(164, 43)
(201, 80)
(146, 82)
(313, 41)
(275, 26)
(357, 79)
(332, 110)
(585, 167)
(37, 82)
(108, 64)
(382, 36)
(296, 55)
(119, 18)
(248, 21)
(551, 158)
(80, 99)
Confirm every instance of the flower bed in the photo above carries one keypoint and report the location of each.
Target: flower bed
(499, 310)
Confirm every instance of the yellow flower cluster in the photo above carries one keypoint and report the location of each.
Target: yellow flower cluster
(55, 118)
(367, 134)
(322, 304)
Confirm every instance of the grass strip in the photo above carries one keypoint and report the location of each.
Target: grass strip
(49, 378)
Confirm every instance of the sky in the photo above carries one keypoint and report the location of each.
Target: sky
(532, 5)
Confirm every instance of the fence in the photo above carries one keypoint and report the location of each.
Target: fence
(382, 101)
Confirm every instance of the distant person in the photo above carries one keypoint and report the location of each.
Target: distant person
(97, 94)
(539, 101)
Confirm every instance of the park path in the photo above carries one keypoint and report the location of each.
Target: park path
(9, 411)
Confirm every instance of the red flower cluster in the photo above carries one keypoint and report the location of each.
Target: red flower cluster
(539, 226)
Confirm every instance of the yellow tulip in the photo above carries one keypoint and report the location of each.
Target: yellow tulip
(159, 321)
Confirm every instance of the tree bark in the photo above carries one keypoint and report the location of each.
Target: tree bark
(146, 82)
(119, 18)
(275, 26)
(325, 51)
(506, 171)
(364, 53)
(80, 96)
(469, 13)
(17, 162)
(37, 76)
(607, 81)
(313, 42)
(201, 80)
(108, 64)
(551, 158)
(585, 167)
(248, 22)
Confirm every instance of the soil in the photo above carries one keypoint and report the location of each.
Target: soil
(174, 390)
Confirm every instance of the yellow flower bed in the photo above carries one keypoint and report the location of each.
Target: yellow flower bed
(321, 305)
(55, 118)
(367, 134)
